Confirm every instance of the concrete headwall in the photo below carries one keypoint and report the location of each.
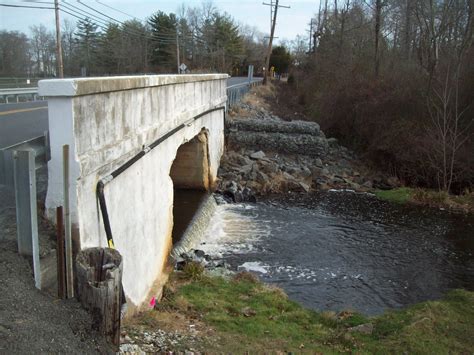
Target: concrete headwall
(107, 121)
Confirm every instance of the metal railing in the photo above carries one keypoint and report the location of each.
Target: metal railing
(236, 92)
(12, 82)
(18, 165)
(18, 94)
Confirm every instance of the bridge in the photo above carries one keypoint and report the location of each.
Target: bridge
(122, 144)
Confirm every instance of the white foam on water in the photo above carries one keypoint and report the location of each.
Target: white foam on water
(254, 266)
(309, 274)
(341, 190)
(351, 191)
(232, 231)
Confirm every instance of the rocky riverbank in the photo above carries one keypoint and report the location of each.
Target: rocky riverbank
(267, 154)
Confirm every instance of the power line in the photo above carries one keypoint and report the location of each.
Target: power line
(112, 8)
(71, 7)
(101, 22)
(39, 2)
(273, 13)
(124, 32)
(169, 36)
(28, 7)
(79, 13)
(99, 12)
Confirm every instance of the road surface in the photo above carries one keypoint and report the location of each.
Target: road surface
(239, 80)
(23, 121)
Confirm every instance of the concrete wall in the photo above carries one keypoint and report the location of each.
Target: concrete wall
(106, 121)
(190, 169)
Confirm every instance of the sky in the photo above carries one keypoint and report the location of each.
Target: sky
(290, 22)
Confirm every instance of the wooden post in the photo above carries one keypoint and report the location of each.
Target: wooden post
(59, 51)
(60, 253)
(67, 225)
(99, 289)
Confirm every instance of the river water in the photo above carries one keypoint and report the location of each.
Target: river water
(342, 250)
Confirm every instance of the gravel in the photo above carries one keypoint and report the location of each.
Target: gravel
(31, 321)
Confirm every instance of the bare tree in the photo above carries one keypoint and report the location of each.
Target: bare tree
(447, 132)
(44, 52)
(378, 19)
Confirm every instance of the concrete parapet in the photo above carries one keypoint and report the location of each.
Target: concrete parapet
(108, 121)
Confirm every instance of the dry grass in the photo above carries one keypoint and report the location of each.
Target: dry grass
(261, 96)
(442, 199)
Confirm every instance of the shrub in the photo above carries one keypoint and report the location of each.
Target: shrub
(193, 271)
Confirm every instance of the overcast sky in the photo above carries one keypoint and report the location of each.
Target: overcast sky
(290, 22)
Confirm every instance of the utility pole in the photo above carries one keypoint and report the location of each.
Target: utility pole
(272, 33)
(59, 50)
(177, 50)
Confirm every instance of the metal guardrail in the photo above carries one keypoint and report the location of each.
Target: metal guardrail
(17, 93)
(15, 82)
(18, 165)
(236, 92)
(39, 145)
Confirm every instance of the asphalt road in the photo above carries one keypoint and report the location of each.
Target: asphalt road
(239, 80)
(23, 121)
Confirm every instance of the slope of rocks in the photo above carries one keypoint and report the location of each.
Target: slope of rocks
(266, 154)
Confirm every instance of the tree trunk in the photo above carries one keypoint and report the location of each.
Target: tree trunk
(378, 13)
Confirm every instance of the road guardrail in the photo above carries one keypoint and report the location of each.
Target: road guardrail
(17, 93)
(237, 91)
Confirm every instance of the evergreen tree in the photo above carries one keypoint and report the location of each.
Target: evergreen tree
(223, 42)
(109, 52)
(163, 44)
(87, 39)
(135, 41)
(280, 59)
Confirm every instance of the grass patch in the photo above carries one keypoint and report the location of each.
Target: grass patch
(250, 310)
(399, 195)
(242, 314)
(432, 198)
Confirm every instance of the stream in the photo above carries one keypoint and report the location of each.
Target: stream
(342, 250)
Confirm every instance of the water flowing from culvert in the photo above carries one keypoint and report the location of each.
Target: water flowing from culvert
(192, 212)
(338, 251)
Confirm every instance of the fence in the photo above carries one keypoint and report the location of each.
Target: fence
(10, 83)
(236, 92)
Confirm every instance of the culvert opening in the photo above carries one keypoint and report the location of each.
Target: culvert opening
(190, 176)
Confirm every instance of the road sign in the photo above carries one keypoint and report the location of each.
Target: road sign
(183, 67)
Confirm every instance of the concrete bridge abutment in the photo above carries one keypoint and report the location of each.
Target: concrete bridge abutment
(136, 138)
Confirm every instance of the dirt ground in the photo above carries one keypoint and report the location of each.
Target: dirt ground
(31, 321)
(284, 103)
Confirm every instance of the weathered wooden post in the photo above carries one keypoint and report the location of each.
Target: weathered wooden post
(99, 289)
